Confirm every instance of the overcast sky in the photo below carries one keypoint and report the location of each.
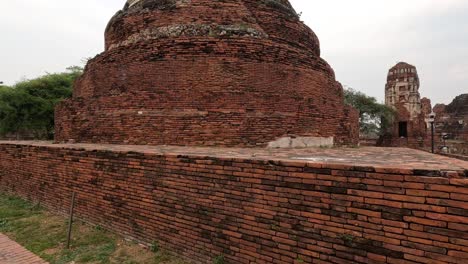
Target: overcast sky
(361, 39)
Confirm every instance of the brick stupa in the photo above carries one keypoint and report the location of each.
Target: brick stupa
(243, 73)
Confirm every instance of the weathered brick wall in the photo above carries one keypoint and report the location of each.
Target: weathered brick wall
(252, 211)
(452, 120)
(203, 72)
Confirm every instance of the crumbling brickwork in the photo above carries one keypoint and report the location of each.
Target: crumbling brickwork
(452, 120)
(203, 72)
(410, 128)
(252, 210)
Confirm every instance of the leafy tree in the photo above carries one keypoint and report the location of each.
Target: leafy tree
(28, 107)
(375, 118)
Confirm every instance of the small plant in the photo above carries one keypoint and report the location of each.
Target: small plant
(36, 207)
(154, 247)
(218, 260)
(275, 227)
(98, 228)
(347, 237)
(3, 223)
(299, 260)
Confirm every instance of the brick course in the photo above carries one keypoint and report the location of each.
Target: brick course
(251, 210)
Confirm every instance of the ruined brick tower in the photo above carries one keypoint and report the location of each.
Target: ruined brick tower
(402, 94)
(402, 89)
(200, 72)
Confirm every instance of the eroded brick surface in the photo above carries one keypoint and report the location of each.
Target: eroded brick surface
(202, 72)
(256, 205)
(452, 120)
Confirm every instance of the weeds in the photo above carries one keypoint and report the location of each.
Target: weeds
(44, 234)
(218, 260)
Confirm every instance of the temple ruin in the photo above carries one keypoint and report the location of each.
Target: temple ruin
(410, 128)
(209, 73)
(452, 122)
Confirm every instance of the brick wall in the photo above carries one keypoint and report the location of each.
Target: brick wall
(252, 211)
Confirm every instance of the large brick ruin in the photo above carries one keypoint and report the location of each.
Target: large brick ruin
(410, 128)
(452, 121)
(202, 72)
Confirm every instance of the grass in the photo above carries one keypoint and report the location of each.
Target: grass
(44, 233)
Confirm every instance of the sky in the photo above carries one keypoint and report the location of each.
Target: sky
(361, 39)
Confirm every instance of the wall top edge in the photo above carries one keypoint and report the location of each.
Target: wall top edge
(401, 161)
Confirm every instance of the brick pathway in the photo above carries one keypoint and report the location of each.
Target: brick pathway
(365, 156)
(12, 253)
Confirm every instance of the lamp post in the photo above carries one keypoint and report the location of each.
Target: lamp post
(432, 120)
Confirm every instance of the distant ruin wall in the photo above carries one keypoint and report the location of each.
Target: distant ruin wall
(251, 211)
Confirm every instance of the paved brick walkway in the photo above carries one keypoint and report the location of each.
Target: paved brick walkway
(12, 253)
(400, 158)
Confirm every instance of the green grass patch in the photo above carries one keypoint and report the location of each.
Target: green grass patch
(44, 233)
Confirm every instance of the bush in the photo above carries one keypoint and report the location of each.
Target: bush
(375, 118)
(28, 107)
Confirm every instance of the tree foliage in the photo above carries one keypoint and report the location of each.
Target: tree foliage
(28, 106)
(375, 118)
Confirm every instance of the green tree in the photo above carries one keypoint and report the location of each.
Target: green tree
(28, 107)
(375, 118)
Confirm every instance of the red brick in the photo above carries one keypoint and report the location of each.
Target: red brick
(404, 198)
(460, 182)
(446, 202)
(460, 197)
(447, 188)
(377, 257)
(445, 258)
(425, 221)
(448, 218)
(425, 235)
(459, 241)
(399, 261)
(384, 202)
(424, 247)
(364, 212)
(419, 259)
(460, 227)
(427, 180)
(458, 254)
(425, 207)
(427, 193)
(376, 195)
(383, 176)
